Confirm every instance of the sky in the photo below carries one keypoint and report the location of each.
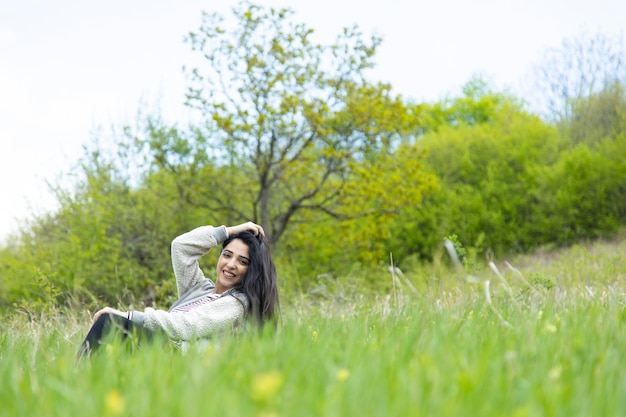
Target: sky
(69, 68)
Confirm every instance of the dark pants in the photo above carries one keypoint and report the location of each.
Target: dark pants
(110, 326)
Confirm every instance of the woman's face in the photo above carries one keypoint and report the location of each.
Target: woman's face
(232, 264)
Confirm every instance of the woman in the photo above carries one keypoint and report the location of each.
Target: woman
(245, 287)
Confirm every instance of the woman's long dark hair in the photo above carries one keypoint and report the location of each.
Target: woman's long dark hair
(259, 285)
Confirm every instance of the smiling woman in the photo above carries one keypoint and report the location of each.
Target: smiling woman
(245, 287)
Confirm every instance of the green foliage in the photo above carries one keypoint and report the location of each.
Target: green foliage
(487, 175)
(513, 183)
(336, 245)
(32, 296)
(466, 256)
(298, 118)
(477, 104)
(599, 116)
(586, 197)
(106, 244)
(541, 281)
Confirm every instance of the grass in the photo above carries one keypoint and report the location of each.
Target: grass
(443, 351)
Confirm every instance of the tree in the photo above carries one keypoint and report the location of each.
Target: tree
(477, 104)
(291, 117)
(487, 153)
(600, 116)
(582, 66)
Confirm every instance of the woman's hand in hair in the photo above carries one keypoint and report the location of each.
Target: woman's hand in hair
(251, 227)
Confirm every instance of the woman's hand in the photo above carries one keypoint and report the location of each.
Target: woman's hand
(108, 310)
(251, 227)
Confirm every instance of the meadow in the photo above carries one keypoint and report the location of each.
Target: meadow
(544, 339)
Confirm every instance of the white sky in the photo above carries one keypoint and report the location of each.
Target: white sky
(67, 66)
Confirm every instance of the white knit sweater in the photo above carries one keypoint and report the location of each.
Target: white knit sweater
(207, 318)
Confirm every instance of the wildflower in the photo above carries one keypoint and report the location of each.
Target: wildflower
(266, 385)
(342, 374)
(114, 402)
(314, 335)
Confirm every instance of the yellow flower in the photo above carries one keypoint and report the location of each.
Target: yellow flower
(342, 374)
(314, 335)
(114, 402)
(266, 385)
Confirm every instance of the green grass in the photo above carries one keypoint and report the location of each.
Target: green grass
(554, 350)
